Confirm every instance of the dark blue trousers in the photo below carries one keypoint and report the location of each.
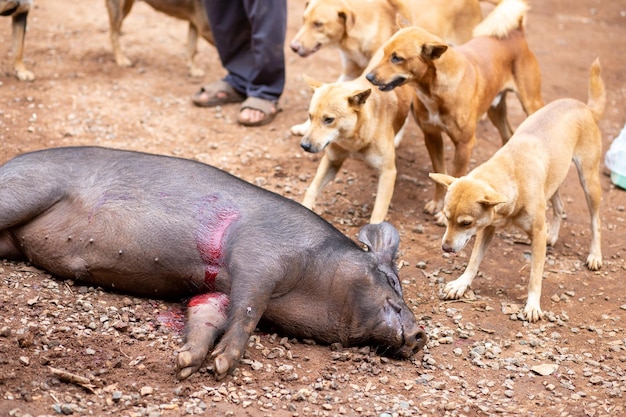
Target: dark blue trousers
(250, 37)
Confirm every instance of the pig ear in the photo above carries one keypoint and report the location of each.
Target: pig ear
(381, 239)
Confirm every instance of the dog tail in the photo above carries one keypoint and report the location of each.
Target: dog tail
(597, 93)
(508, 15)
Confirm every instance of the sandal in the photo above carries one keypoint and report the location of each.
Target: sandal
(268, 107)
(216, 94)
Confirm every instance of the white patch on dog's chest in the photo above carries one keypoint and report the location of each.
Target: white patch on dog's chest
(434, 118)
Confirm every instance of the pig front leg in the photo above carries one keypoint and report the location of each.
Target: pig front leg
(207, 316)
(244, 314)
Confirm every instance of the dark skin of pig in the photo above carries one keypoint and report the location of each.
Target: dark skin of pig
(171, 228)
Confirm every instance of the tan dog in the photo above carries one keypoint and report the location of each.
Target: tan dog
(456, 86)
(18, 10)
(189, 10)
(513, 187)
(349, 119)
(359, 28)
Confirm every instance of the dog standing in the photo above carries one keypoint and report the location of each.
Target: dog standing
(18, 10)
(514, 185)
(189, 10)
(359, 28)
(349, 119)
(456, 86)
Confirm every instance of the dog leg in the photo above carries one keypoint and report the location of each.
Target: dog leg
(192, 49)
(557, 216)
(300, 129)
(434, 146)
(538, 234)
(326, 171)
(497, 113)
(384, 193)
(19, 34)
(588, 174)
(351, 69)
(528, 83)
(455, 289)
(118, 10)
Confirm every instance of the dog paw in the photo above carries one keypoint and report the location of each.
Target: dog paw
(300, 129)
(454, 290)
(532, 313)
(25, 75)
(431, 207)
(196, 72)
(440, 219)
(594, 262)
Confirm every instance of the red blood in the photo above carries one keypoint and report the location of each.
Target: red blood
(215, 216)
(218, 299)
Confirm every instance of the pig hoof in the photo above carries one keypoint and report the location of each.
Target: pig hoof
(221, 367)
(185, 365)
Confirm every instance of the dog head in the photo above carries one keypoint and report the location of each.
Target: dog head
(409, 55)
(14, 7)
(333, 113)
(469, 206)
(324, 23)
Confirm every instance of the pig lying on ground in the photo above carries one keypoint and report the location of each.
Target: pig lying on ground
(167, 227)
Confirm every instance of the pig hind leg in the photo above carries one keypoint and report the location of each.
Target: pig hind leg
(206, 321)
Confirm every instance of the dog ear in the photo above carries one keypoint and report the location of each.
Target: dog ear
(311, 82)
(492, 199)
(442, 179)
(401, 21)
(432, 51)
(359, 98)
(348, 19)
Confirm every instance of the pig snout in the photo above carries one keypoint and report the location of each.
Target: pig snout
(411, 338)
(414, 340)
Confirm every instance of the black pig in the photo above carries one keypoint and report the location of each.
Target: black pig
(167, 227)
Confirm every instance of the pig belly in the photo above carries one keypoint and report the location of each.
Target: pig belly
(145, 263)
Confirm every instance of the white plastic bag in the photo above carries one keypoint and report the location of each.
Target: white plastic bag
(615, 159)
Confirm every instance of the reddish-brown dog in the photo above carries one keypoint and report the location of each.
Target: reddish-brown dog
(456, 86)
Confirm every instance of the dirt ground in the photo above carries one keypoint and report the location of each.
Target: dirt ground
(480, 359)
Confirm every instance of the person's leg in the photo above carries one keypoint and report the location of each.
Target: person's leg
(268, 23)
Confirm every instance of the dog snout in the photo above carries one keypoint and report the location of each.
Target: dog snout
(307, 146)
(447, 248)
(295, 46)
(371, 77)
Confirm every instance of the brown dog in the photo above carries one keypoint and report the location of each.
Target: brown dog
(349, 119)
(359, 29)
(455, 86)
(18, 10)
(189, 10)
(513, 187)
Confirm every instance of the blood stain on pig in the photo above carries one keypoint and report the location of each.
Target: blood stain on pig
(215, 216)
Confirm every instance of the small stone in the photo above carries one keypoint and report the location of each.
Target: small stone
(24, 360)
(146, 391)
(545, 369)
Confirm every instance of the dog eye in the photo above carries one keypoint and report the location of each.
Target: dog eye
(328, 120)
(395, 59)
(317, 24)
(465, 223)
